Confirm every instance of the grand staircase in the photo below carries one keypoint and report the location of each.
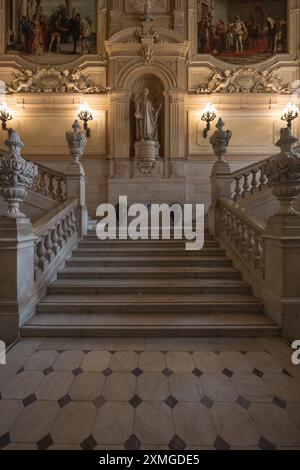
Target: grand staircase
(156, 288)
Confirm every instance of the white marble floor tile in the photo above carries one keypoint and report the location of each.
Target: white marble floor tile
(154, 423)
(153, 386)
(124, 361)
(55, 386)
(207, 361)
(152, 361)
(185, 387)
(22, 385)
(194, 424)
(218, 388)
(113, 424)
(9, 411)
(69, 360)
(179, 361)
(120, 386)
(74, 423)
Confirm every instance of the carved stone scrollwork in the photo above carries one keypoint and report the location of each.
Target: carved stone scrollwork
(76, 141)
(283, 173)
(220, 141)
(51, 80)
(243, 81)
(16, 176)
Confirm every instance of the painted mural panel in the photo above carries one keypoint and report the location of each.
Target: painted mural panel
(242, 31)
(51, 30)
(138, 6)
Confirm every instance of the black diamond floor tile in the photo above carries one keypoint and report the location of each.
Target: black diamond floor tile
(64, 401)
(45, 443)
(171, 402)
(207, 402)
(264, 444)
(135, 401)
(220, 444)
(177, 444)
(29, 400)
(89, 443)
(133, 443)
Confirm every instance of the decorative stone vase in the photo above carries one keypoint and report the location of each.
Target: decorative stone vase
(146, 154)
(220, 141)
(283, 173)
(76, 141)
(16, 176)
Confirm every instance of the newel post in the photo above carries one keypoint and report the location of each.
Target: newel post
(282, 240)
(221, 173)
(17, 241)
(75, 174)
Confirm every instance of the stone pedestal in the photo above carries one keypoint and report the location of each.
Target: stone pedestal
(146, 154)
(282, 273)
(75, 175)
(17, 242)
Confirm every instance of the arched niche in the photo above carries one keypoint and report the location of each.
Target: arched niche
(157, 96)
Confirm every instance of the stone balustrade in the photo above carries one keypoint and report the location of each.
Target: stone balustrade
(51, 184)
(249, 180)
(244, 236)
(53, 232)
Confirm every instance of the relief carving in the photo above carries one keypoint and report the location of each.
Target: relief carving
(243, 81)
(51, 80)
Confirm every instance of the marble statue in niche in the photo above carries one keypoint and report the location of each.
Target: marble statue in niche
(146, 118)
(147, 139)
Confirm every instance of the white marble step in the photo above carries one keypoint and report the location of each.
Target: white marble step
(149, 272)
(148, 286)
(151, 251)
(152, 304)
(160, 261)
(93, 325)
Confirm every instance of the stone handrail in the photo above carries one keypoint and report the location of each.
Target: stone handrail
(245, 236)
(53, 232)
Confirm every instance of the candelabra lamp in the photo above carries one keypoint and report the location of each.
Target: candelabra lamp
(85, 114)
(290, 113)
(5, 116)
(208, 115)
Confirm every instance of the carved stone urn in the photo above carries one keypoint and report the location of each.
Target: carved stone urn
(16, 176)
(283, 173)
(220, 141)
(76, 141)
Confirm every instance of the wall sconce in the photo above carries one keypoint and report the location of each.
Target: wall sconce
(5, 116)
(208, 115)
(290, 113)
(85, 114)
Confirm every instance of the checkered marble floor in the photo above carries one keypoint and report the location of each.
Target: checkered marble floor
(154, 393)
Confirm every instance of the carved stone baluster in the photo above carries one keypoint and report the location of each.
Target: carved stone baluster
(59, 190)
(37, 270)
(65, 229)
(237, 233)
(60, 234)
(254, 181)
(51, 188)
(251, 248)
(238, 187)
(263, 177)
(55, 240)
(258, 251)
(42, 254)
(43, 184)
(49, 246)
(246, 185)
